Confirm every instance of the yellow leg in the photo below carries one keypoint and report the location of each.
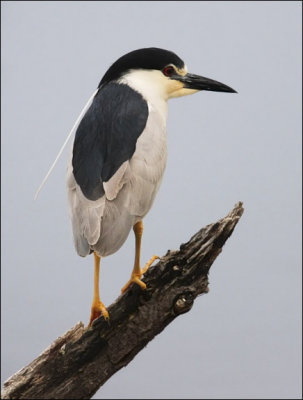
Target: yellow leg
(137, 271)
(98, 308)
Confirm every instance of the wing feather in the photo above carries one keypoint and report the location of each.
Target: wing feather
(107, 136)
(99, 167)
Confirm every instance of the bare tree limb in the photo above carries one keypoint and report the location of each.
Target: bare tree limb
(80, 361)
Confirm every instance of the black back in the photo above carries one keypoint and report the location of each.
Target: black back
(147, 58)
(107, 136)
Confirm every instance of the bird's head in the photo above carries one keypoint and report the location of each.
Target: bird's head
(161, 71)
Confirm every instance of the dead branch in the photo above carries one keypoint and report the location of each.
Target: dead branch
(80, 361)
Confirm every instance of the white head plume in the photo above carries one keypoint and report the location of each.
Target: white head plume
(66, 141)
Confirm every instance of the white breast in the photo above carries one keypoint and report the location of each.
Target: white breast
(148, 164)
(142, 180)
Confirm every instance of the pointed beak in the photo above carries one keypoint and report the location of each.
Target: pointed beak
(197, 82)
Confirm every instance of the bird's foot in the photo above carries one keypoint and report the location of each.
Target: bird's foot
(98, 309)
(135, 277)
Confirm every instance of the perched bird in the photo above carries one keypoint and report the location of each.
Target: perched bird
(119, 154)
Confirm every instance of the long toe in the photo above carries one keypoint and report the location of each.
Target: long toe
(97, 310)
(149, 263)
(133, 279)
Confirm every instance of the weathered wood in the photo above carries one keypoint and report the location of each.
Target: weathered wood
(80, 361)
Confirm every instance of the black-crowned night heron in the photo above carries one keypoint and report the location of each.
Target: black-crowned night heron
(119, 154)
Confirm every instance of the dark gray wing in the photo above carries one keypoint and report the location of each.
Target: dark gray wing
(107, 136)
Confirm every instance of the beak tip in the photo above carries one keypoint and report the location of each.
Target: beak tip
(228, 89)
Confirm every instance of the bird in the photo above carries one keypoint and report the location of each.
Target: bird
(119, 155)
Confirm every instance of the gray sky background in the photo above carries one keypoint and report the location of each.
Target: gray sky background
(243, 339)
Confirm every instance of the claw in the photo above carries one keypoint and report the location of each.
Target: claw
(135, 277)
(98, 309)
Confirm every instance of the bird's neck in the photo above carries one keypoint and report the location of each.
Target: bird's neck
(148, 85)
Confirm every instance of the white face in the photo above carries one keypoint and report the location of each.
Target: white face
(154, 83)
(176, 88)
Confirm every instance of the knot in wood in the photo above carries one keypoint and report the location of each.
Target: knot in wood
(183, 303)
(177, 271)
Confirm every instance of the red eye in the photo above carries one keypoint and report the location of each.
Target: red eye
(168, 71)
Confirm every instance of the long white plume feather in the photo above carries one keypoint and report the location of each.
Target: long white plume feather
(66, 141)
